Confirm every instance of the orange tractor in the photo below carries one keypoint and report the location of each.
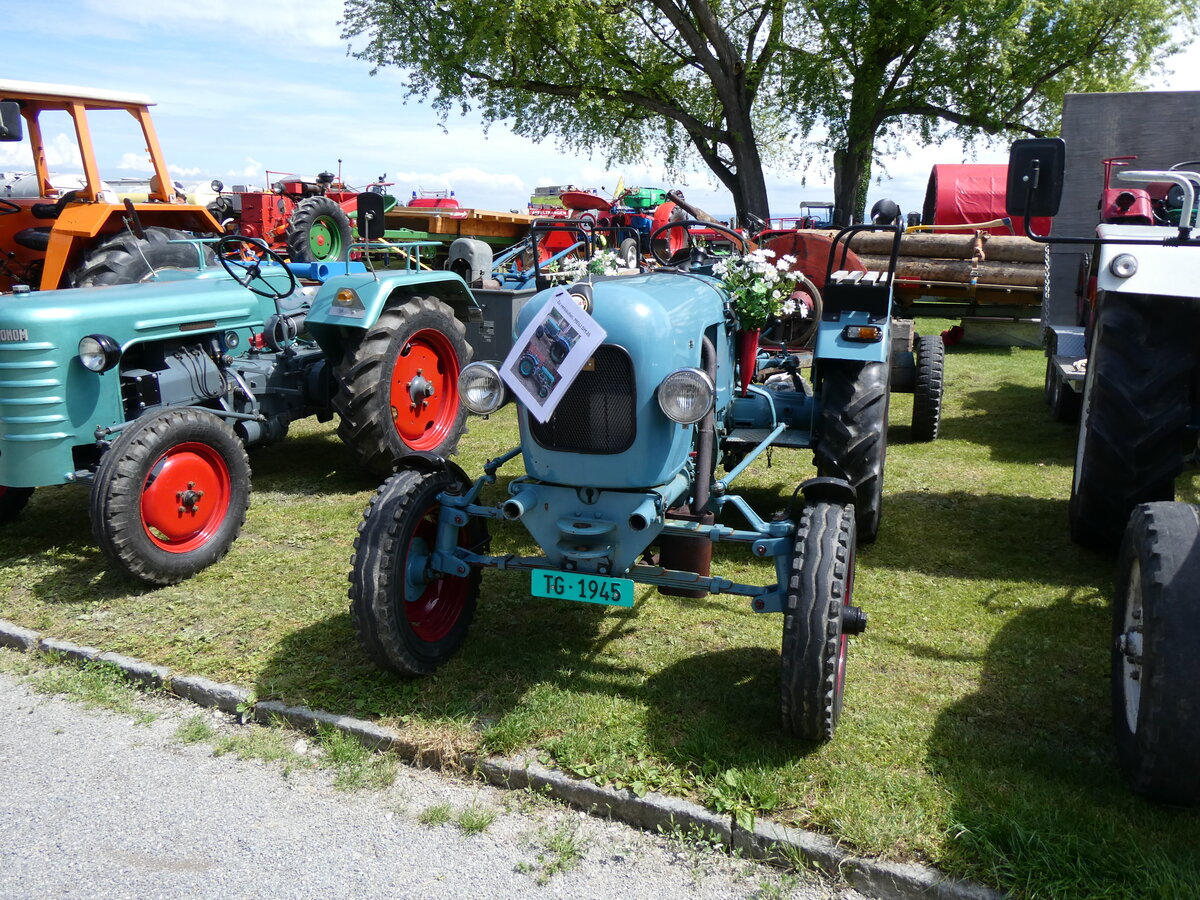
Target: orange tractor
(54, 237)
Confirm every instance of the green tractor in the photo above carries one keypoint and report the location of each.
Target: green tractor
(149, 393)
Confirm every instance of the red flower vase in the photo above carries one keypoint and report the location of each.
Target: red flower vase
(747, 357)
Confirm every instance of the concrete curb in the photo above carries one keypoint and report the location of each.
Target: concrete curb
(767, 841)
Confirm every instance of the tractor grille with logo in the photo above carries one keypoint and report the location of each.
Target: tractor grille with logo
(597, 414)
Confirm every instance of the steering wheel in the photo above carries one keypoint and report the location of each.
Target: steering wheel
(686, 225)
(240, 256)
(7, 207)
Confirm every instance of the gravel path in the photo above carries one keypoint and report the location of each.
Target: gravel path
(94, 804)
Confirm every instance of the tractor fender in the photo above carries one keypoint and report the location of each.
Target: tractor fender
(827, 490)
(356, 301)
(832, 342)
(431, 462)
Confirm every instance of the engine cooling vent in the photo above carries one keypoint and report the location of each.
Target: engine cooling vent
(596, 415)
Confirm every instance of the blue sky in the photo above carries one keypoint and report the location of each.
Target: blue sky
(246, 87)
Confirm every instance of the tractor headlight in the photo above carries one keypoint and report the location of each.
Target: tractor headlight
(481, 389)
(99, 352)
(1124, 265)
(686, 395)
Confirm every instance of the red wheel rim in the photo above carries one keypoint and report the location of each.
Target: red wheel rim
(185, 497)
(424, 390)
(433, 613)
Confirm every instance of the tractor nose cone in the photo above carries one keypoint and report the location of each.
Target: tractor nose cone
(854, 620)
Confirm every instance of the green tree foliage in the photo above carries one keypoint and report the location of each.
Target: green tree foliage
(740, 83)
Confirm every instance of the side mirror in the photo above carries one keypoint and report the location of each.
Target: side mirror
(1035, 177)
(10, 121)
(370, 216)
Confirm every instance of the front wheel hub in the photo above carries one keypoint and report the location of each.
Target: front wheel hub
(854, 620)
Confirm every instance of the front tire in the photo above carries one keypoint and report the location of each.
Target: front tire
(398, 387)
(125, 259)
(929, 388)
(852, 441)
(820, 591)
(170, 496)
(1155, 668)
(318, 231)
(409, 619)
(1136, 408)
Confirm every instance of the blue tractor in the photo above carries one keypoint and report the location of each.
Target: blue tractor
(623, 492)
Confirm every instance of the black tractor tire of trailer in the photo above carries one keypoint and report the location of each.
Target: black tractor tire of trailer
(1136, 410)
(124, 258)
(928, 388)
(852, 441)
(1064, 401)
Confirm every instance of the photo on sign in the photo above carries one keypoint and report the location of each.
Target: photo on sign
(550, 353)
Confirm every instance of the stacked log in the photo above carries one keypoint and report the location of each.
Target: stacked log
(979, 266)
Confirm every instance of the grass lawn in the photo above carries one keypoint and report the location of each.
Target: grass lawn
(976, 729)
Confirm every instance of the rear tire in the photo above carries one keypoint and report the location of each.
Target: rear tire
(820, 586)
(929, 388)
(318, 231)
(1155, 668)
(1064, 401)
(852, 442)
(1136, 408)
(408, 620)
(12, 501)
(124, 259)
(170, 496)
(416, 346)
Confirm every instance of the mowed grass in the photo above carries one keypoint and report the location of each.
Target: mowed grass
(976, 730)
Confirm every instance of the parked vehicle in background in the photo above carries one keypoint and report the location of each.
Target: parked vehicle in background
(53, 238)
(1137, 431)
(148, 393)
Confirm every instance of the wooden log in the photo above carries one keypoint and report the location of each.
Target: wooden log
(995, 248)
(960, 271)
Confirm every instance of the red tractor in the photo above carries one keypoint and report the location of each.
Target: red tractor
(308, 221)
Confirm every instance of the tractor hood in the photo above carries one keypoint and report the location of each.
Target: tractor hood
(608, 430)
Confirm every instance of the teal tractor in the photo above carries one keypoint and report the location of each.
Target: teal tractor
(148, 393)
(622, 489)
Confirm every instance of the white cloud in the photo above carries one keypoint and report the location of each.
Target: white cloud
(312, 23)
(137, 162)
(184, 172)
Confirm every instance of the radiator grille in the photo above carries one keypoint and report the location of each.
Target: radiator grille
(596, 415)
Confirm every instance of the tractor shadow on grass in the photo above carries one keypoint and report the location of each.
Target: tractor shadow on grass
(1013, 422)
(1039, 805)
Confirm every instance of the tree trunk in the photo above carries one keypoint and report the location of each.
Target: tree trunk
(851, 173)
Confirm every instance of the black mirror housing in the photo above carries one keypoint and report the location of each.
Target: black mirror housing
(370, 216)
(10, 121)
(1035, 177)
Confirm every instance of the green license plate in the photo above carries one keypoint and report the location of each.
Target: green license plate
(588, 588)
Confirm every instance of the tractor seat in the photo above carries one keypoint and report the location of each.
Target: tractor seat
(33, 238)
(53, 210)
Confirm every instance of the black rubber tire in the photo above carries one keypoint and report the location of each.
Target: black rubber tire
(1156, 719)
(559, 351)
(318, 213)
(12, 501)
(820, 583)
(852, 436)
(366, 372)
(124, 484)
(1064, 401)
(1136, 408)
(629, 253)
(124, 259)
(388, 620)
(928, 388)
